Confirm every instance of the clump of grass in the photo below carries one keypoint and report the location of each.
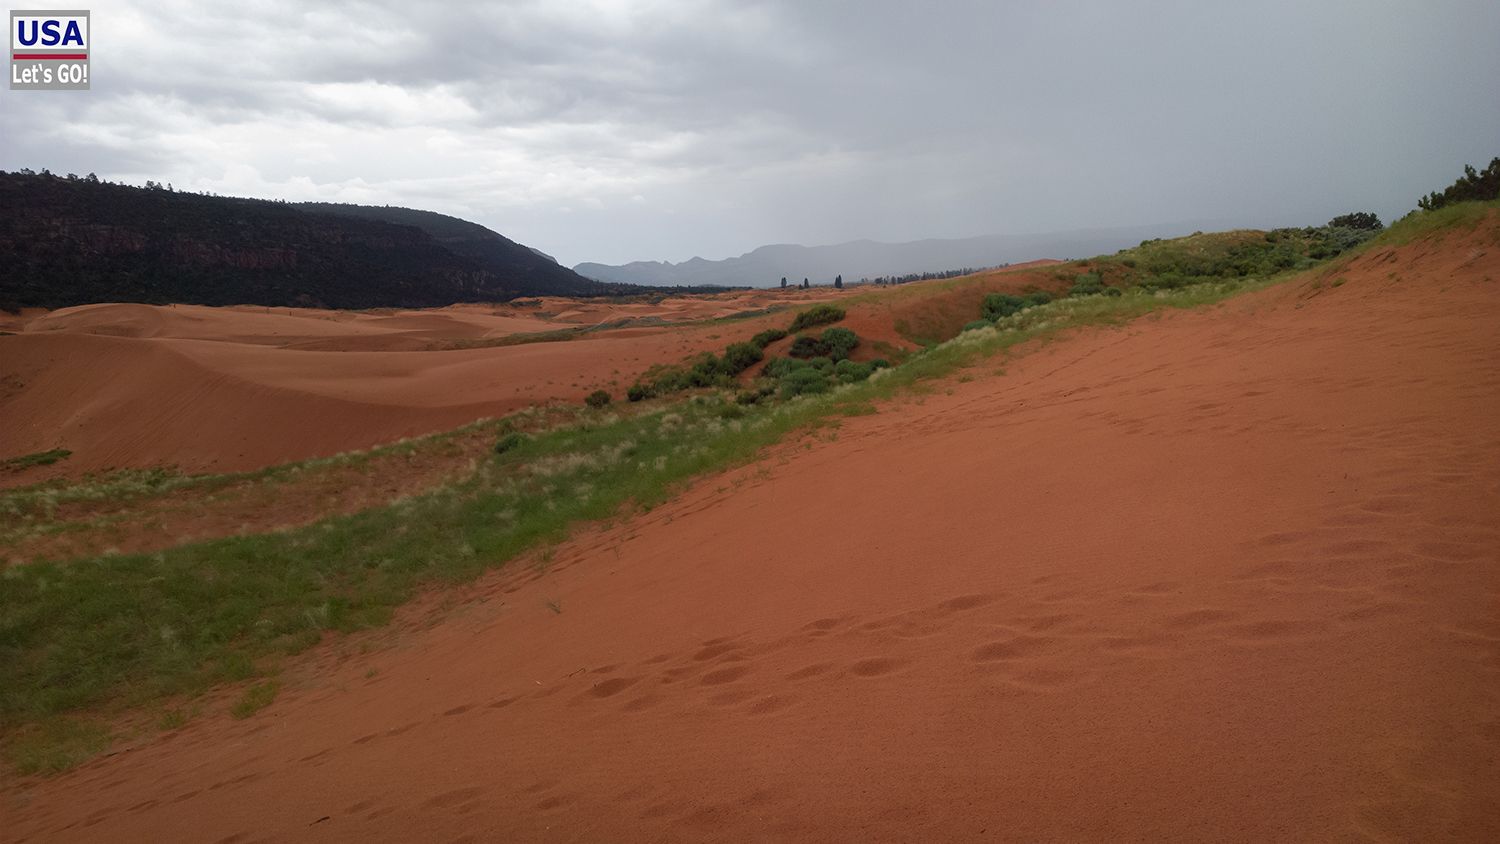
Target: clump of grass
(767, 337)
(40, 458)
(509, 442)
(255, 698)
(56, 745)
(815, 316)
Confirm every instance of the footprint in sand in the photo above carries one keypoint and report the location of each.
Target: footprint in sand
(877, 666)
(810, 671)
(724, 675)
(612, 686)
(1199, 618)
(451, 799)
(1017, 648)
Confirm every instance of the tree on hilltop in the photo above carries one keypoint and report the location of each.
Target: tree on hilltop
(1473, 185)
(1357, 220)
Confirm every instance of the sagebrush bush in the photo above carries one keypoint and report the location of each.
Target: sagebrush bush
(851, 372)
(767, 337)
(998, 305)
(764, 388)
(1087, 284)
(638, 392)
(839, 342)
(778, 367)
(816, 315)
(509, 442)
(806, 381)
(976, 324)
(598, 398)
(807, 346)
(739, 357)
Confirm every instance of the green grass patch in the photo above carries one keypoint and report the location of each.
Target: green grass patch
(55, 745)
(255, 698)
(40, 458)
(1420, 224)
(815, 316)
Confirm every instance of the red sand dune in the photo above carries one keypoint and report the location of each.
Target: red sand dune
(223, 389)
(1227, 574)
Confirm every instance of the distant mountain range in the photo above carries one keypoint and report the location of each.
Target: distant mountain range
(77, 241)
(765, 266)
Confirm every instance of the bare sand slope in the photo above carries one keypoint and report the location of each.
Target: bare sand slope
(214, 405)
(218, 406)
(1231, 574)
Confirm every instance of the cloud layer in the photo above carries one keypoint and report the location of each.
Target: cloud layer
(613, 131)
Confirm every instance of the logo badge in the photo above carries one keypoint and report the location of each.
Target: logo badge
(49, 50)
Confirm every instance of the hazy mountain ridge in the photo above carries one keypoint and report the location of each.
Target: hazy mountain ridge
(765, 265)
(72, 241)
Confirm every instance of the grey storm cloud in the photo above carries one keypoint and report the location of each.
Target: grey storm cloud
(615, 131)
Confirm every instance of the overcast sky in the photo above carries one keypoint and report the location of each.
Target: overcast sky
(616, 131)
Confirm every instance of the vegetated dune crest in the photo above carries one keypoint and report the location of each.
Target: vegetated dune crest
(1225, 573)
(227, 389)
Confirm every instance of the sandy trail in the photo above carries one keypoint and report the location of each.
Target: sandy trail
(1230, 574)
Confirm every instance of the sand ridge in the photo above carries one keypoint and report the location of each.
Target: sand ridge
(1230, 573)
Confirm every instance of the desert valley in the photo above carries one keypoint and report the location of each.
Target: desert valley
(1049, 586)
(734, 422)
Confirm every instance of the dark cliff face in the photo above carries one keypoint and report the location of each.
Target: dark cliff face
(70, 242)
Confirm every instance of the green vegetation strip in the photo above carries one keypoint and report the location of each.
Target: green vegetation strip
(40, 458)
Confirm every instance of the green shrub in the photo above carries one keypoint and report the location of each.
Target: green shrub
(1474, 184)
(1356, 220)
(851, 372)
(1087, 284)
(804, 382)
(1040, 297)
(880, 363)
(780, 367)
(816, 315)
(976, 324)
(807, 346)
(754, 396)
(597, 399)
(821, 364)
(638, 392)
(767, 337)
(706, 371)
(839, 342)
(998, 305)
(509, 442)
(739, 357)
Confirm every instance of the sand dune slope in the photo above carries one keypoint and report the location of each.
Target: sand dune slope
(1224, 575)
(221, 405)
(227, 389)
